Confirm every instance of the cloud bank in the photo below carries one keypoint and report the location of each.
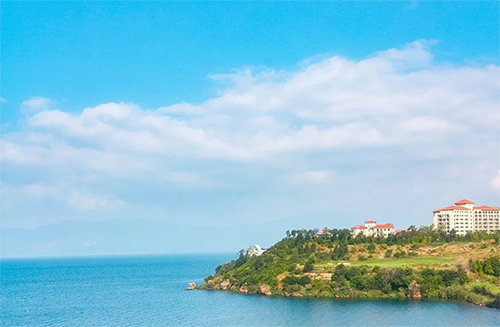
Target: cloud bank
(396, 118)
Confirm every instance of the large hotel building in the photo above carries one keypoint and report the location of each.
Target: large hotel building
(464, 217)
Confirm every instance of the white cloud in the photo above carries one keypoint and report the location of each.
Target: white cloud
(3, 100)
(87, 202)
(332, 104)
(35, 104)
(335, 103)
(496, 181)
(374, 117)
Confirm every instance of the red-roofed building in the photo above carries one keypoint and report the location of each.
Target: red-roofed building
(464, 201)
(464, 217)
(372, 229)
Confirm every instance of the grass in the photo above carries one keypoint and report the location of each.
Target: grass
(413, 261)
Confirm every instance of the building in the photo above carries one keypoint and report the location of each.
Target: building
(372, 229)
(464, 217)
(255, 250)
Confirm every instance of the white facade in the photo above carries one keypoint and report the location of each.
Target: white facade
(372, 229)
(255, 250)
(464, 217)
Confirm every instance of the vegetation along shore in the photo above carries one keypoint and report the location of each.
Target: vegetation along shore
(417, 264)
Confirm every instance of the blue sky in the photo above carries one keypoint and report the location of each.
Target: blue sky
(226, 113)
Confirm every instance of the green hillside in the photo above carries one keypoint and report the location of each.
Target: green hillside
(419, 263)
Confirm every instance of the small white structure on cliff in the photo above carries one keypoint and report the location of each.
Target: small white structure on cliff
(255, 250)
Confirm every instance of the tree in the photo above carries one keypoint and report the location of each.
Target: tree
(309, 266)
(488, 269)
(340, 252)
(412, 228)
(241, 259)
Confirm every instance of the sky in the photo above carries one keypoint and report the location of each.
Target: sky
(222, 115)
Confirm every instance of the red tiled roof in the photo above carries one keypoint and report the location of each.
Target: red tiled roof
(388, 225)
(370, 221)
(452, 208)
(486, 208)
(464, 201)
(323, 233)
(401, 231)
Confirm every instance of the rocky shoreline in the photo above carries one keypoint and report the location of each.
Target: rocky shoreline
(266, 292)
(413, 291)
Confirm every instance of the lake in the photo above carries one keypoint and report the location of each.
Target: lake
(150, 290)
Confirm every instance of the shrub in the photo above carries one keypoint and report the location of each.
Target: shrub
(292, 288)
(292, 268)
(252, 289)
(362, 258)
(453, 292)
(399, 254)
(449, 276)
(304, 280)
(412, 254)
(414, 247)
(309, 266)
(490, 266)
(371, 248)
(388, 253)
(294, 280)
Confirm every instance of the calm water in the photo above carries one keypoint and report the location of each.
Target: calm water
(149, 290)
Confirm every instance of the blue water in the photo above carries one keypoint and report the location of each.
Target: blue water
(150, 290)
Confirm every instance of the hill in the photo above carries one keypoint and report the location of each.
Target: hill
(418, 263)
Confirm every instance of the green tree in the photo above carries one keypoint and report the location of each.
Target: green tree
(488, 269)
(241, 259)
(340, 252)
(309, 266)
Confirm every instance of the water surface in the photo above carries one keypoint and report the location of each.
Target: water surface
(150, 290)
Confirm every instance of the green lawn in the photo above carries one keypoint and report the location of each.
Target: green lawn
(412, 261)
